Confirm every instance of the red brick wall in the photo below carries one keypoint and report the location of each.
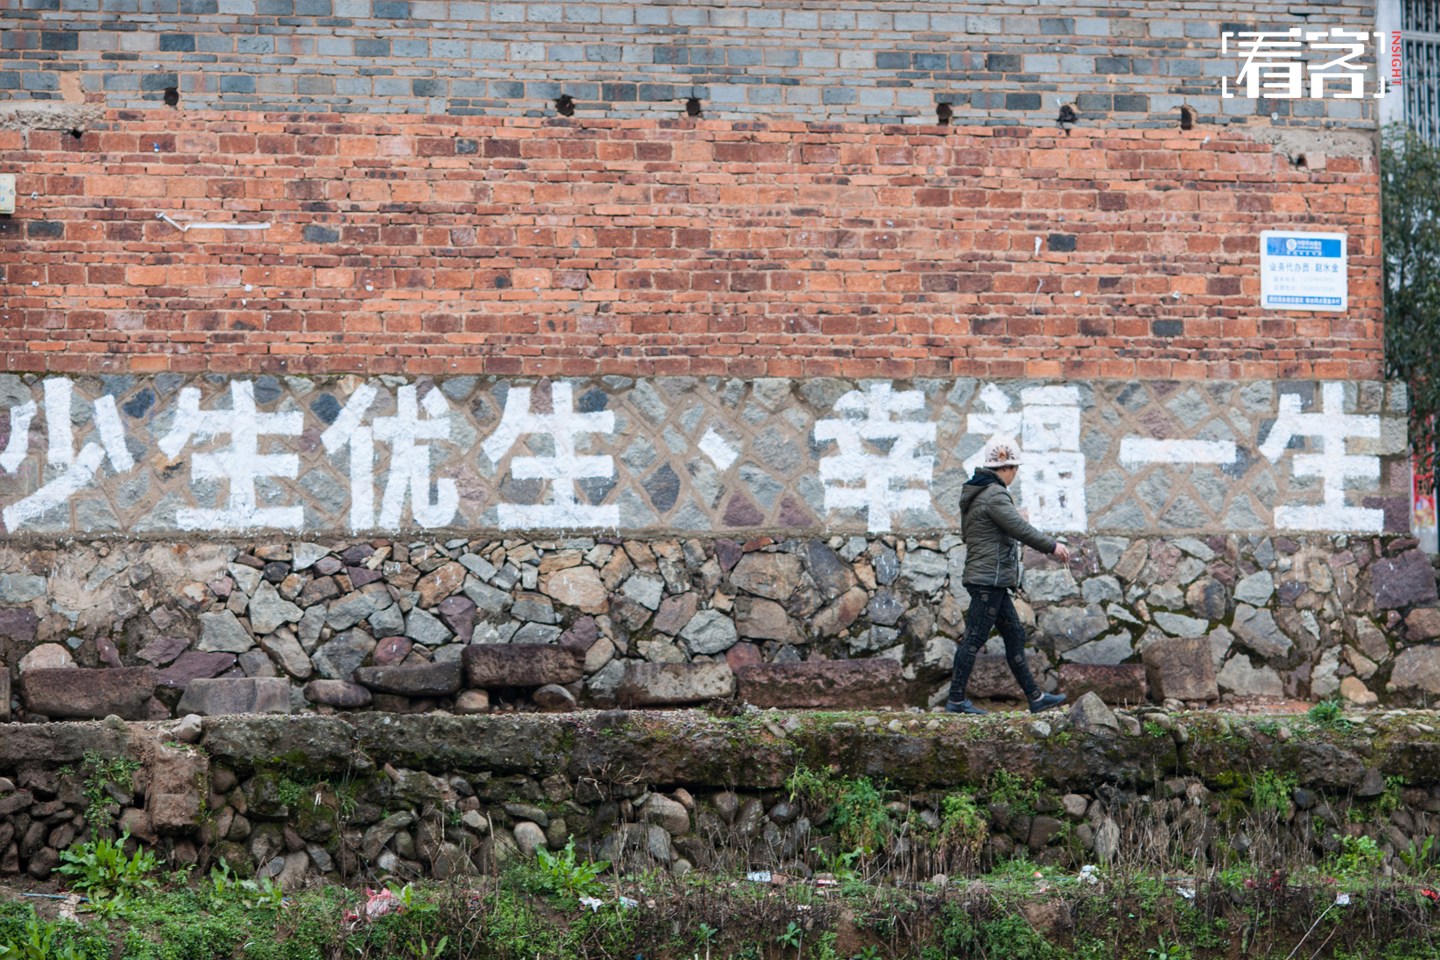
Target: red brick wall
(670, 247)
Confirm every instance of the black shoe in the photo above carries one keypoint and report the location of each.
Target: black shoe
(964, 706)
(1046, 701)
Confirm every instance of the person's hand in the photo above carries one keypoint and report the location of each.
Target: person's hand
(1062, 553)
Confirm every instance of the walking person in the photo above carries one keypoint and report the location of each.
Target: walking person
(993, 531)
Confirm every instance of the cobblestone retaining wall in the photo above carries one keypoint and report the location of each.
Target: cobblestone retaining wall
(140, 630)
(333, 798)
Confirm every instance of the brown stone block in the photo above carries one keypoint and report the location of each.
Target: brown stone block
(991, 678)
(842, 684)
(674, 684)
(93, 694)
(1181, 668)
(489, 665)
(1122, 683)
(413, 680)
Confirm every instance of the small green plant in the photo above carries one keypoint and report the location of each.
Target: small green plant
(566, 876)
(1168, 951)
(101, 870)
(100, 774)
(1153, 729)
(421, 949)
(1271, 792)
(868, 953)
(1390, 800)
(857, 805)
(705, 937)
(1357, 857)
(963, 823)
(39, 941)
(841, 864)
(1329, 714)
(225, 884)
(1020, 795)
(1417, 858)
(793, 936)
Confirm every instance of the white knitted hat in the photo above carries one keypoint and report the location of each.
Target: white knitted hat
(1001, 451)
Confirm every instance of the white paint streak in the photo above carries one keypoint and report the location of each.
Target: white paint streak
(1331, 427)
(19, 443)
(1139, 450)
(112, 435)
(347, 431)
(714, 446)
(241, 462)
(879, 483)
(410, 461)
(1052, 481)
(564, 468)
(57, 491)
(58, 392)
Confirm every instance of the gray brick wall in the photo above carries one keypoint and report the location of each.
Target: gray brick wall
(1121, 63)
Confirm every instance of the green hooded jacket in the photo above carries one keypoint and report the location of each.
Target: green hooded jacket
(993, 531)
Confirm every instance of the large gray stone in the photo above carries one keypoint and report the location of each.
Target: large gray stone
(338, 659)
(1242, 678)
(1180, 668)
(230, 695)
(413, 680)
(644, 589)
(1180, 625)
(356, 606)
(1090, 714)
(1416, 669)
(268, 610)
(492, 665)
(578, 587)
(426, 628)
(286, 651)
(709, 632)
(673, 684)
(1050, 585)
(1116, 648)
(831, 574)
(1068, 627)
(1256, 589)
(925, 569)
(72, 692)
(829, 684)
(1257, 630)
(221, 632)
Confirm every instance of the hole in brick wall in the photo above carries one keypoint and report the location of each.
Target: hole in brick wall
(1068, 114)
(1187, 118)
(944, 113)
(75, 133)
(172, 97)
(565, 105)
(1299, 160)
(692, 107)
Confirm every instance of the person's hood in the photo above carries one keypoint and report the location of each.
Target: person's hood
(983, 478)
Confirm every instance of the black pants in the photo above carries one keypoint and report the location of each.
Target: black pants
(991, 607)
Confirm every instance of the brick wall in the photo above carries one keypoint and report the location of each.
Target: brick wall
(576, 247)
(1004, 63)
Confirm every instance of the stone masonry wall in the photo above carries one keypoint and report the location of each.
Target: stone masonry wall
(406, 797)
(143, 630)
(442, 245)
(168, 456)
(1000, 63)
